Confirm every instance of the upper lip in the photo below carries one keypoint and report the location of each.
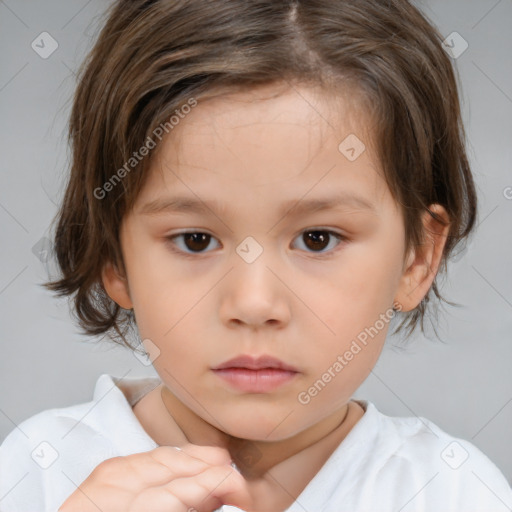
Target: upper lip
(255, 363)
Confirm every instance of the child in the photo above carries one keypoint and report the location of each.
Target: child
(314, 152)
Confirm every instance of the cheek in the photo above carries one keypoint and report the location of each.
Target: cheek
(356, 310)
(367, 279)
(355, 296)
(338, 368)
(158, 289)
(172, 317)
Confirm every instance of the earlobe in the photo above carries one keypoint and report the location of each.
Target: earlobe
(116, 286)
(423, 261)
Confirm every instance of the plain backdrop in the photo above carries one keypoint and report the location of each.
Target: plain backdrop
(464, 385)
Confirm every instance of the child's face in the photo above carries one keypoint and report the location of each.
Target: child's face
(303, 301)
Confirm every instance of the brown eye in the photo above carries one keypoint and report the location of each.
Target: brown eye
(318, 240)
(192, 243)
(314, 240)
(196, 241)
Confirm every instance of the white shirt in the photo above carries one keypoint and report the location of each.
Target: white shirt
(384, 464)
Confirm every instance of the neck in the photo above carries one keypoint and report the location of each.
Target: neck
(254, 458)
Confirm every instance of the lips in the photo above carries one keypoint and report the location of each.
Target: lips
(249, 374)
(256, 363)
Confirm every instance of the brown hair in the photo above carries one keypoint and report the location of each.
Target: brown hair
(153, 56)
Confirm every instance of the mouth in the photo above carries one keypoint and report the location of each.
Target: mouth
(255, 375)
(255, 381)
(256, 363)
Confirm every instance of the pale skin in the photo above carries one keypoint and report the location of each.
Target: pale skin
(301, 303)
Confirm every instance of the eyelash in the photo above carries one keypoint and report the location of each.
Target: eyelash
(340, 237)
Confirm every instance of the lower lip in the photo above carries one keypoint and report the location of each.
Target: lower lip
(255, 381)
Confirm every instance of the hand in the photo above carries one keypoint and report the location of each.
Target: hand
(197, 478)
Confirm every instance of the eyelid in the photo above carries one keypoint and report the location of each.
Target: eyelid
(340, 236)
(170, 240)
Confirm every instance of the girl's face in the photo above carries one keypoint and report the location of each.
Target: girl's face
(270, 271)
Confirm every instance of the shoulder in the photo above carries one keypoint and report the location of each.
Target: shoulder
(44, 455)
(48, 455)
(442, 468)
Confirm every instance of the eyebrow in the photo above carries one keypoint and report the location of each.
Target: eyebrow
(186, 204)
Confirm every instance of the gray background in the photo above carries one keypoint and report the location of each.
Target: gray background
(464, 386)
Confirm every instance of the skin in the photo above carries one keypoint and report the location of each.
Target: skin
(299, 302)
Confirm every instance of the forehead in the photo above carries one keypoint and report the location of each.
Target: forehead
(273, 138)
(310, 111)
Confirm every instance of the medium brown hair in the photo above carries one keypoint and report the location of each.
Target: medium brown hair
(152, 56)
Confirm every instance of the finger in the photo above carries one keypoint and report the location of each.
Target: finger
(222, 483)
(137, 471)
(211, 455)
(165, 463)
(160, 499)
(160, 468)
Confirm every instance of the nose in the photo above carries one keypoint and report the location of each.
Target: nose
(255, 294)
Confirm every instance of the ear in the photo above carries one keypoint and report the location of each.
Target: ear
(116, 286)
(423, 261)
